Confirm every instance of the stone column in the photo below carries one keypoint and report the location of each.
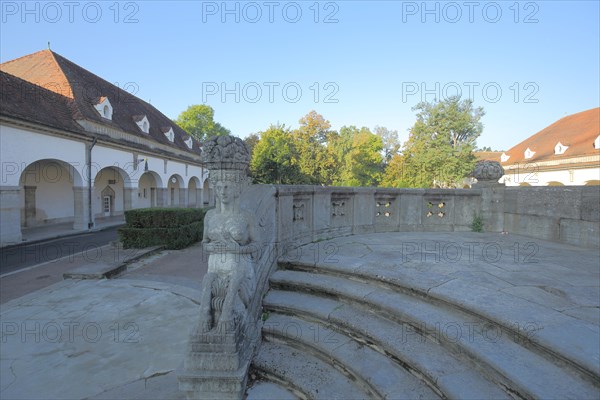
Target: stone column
(128, 195)
(161, 197)
(29, 210)
(81, 213)
(10, 213)
(487, 174)
(183, 198)
(199, 199)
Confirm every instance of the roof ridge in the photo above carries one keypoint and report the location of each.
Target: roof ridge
(25, 56)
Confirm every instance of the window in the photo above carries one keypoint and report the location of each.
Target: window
(504, 157)
(169, 133)
(104, 108)
(597, 143)
(189, 142)
(560, 149)
(142, 122)
(529, 153)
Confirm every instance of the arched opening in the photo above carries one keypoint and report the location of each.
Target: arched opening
(524, 184)
(174, 197)
(555, 183)
(194, 192)
(110, 198)
(148, 186)
(106, 111)
(592, 183)
(51, 194)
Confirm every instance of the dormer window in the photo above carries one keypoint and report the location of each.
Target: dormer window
(504, 157)
(529, 153)
(168, 132)
(189, 142)
(142, 123)
(104, 108)
(597, 143)
(560, 149)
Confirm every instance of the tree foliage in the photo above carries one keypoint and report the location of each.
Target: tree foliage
(274, 158)
(439, 150)
(310, 141)
(198, 121)
(358, 157)
(391, 143)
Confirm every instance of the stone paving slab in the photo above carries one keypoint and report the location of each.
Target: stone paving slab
(102, 339)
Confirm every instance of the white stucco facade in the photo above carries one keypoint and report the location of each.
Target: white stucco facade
(577, 171)
(45, 180)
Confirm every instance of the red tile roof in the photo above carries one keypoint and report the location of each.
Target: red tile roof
(578, 131)
(487, 155)
(25, 101)
(84, 89)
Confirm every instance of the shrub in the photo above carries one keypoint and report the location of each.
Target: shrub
(477, 224)
(173, 228)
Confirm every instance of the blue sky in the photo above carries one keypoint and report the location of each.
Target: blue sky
(362, 63)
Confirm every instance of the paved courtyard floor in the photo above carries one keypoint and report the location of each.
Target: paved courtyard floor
(124, 338)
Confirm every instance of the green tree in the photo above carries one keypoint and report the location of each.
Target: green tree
(274, 158)
(357, 153)
(198, 121)
(439, 150)
(310, 140)
(394, 173)
(390, 141)
(251, 141)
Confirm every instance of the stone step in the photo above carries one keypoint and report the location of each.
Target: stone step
(436, 366)
(110, 268)
(537, 325)
(519, 367)
(369, 368)
(303, 373)
(265, 390)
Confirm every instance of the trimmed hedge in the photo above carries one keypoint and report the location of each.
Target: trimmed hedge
(163, 217)
(174, 228)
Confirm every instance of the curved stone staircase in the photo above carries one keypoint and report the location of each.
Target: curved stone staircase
(351, 330)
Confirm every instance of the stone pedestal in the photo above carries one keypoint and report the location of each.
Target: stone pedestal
(487, 174)
(492, 205)
(216, 365)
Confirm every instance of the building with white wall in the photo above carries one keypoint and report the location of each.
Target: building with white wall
(564, 153)
(78, 149)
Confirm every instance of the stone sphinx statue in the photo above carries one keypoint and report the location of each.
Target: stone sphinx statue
(230, 239)
(222, 343)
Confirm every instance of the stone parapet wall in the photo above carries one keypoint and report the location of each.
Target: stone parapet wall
(312, 213)
(568, 214)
